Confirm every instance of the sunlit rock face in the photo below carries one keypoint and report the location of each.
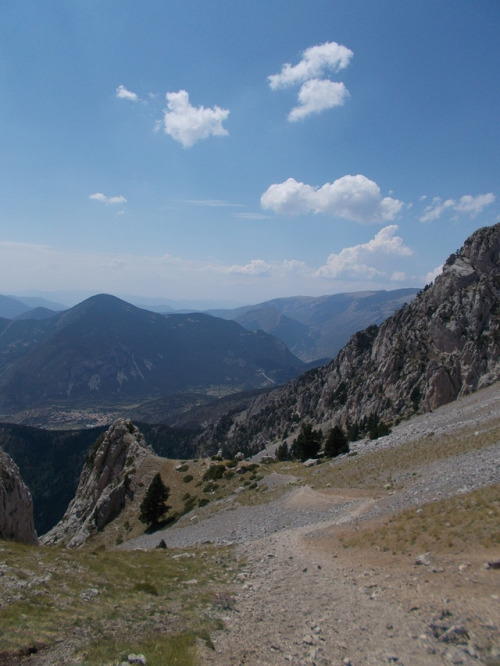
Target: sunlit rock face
(106, 483)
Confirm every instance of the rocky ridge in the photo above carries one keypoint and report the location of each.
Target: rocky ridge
(106, 483)
(443, 345)
(16, 506)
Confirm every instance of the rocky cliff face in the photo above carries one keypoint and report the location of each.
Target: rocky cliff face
(106, 483)
(443, 345)
(16, 506)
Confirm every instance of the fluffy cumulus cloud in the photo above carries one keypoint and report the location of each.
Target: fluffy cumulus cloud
(355, 198)
(466, 205)
(318, 95)
(188, 124)
(366, 260)
(123, 93)
(99, 196)
(316, 61)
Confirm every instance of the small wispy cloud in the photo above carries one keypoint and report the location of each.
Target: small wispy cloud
(189, 124)
(99, 196)
(466, 205)
(123, 93)
(254, 267)
(260, 268)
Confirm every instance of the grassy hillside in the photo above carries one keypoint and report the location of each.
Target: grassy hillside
(105, 605)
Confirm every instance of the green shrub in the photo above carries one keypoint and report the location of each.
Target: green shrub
(214, 472)
(147, 587)
(189, 504)
(187, 478)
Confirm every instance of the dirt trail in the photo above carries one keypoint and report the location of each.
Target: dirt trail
(303, 601)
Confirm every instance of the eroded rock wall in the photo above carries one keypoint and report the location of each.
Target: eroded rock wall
(16, 506)
(106, 483)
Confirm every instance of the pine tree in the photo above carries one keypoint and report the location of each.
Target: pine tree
(308, 442)
(154, 504)
(336, 442)
(282, 452)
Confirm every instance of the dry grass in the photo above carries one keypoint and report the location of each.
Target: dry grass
(469, 520)
(120, 602)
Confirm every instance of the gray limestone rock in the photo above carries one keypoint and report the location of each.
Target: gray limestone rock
(16, 506)
(106, 482)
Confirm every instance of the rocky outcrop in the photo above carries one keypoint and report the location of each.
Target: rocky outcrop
(443, 345)
(106, 483)
(16, 506)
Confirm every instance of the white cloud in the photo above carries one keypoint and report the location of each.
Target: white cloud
(188, 124)
(466, 205)
(123, 93)
(366, 260)
(355, 198)
(432, 275)
(474, 205)
(99, 196)
(316, 60)
(259, 267)
(255, 267)
(318, 95)
(398, 276)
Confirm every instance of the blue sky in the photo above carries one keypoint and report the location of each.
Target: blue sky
(226, 150)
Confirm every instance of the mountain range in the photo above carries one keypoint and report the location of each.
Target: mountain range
(313, 328)
(318, 327)
(107, 351)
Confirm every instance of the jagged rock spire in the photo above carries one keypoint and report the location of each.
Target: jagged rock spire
(106, 483)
